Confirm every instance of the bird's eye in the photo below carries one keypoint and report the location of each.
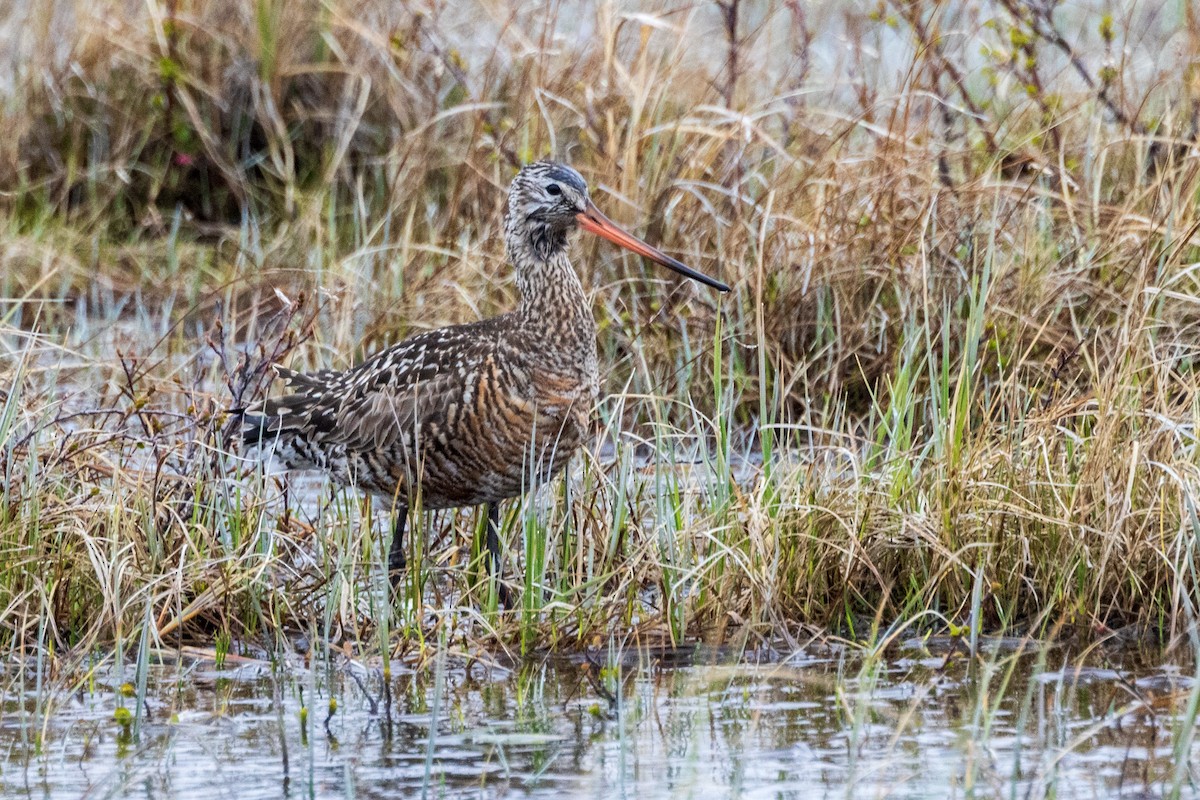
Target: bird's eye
(554, 189)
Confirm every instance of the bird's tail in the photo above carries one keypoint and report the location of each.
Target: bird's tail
(285, 422)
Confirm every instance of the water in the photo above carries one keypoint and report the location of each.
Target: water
(925, 721)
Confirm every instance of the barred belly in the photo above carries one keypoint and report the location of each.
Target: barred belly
(501, 453)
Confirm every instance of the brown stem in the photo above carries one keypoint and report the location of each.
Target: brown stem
(729, 16)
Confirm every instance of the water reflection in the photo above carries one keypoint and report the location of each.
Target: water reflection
(821, 724)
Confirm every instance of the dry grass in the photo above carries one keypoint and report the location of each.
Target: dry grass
(963, 331)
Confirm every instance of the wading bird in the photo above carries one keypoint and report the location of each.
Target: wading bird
(468, 414)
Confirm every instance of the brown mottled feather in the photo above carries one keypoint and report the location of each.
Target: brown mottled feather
(467, 414)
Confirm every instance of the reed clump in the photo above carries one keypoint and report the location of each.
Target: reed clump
(956, 378)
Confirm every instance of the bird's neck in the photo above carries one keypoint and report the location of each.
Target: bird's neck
(553, 302)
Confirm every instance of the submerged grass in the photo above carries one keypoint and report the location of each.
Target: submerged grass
(913, 718)
(955, 382)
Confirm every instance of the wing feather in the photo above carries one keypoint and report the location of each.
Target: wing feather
(386, 401)
(389, 415)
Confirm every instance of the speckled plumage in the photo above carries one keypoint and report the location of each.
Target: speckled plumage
(468, 414)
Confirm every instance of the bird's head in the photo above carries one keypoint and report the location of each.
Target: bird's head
(548, 200)
(547, 195)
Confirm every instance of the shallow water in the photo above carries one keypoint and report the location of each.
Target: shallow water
(925, 721)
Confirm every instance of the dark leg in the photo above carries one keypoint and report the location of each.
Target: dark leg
(396, 560)
(493, 548)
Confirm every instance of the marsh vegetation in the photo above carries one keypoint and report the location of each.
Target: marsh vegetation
(953, 393)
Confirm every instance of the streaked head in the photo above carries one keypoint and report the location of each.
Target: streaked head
(548, 200)
(547, 194)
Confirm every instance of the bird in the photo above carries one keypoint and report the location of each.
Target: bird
(471, 414)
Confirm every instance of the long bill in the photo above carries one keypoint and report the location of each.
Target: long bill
(592, 221)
